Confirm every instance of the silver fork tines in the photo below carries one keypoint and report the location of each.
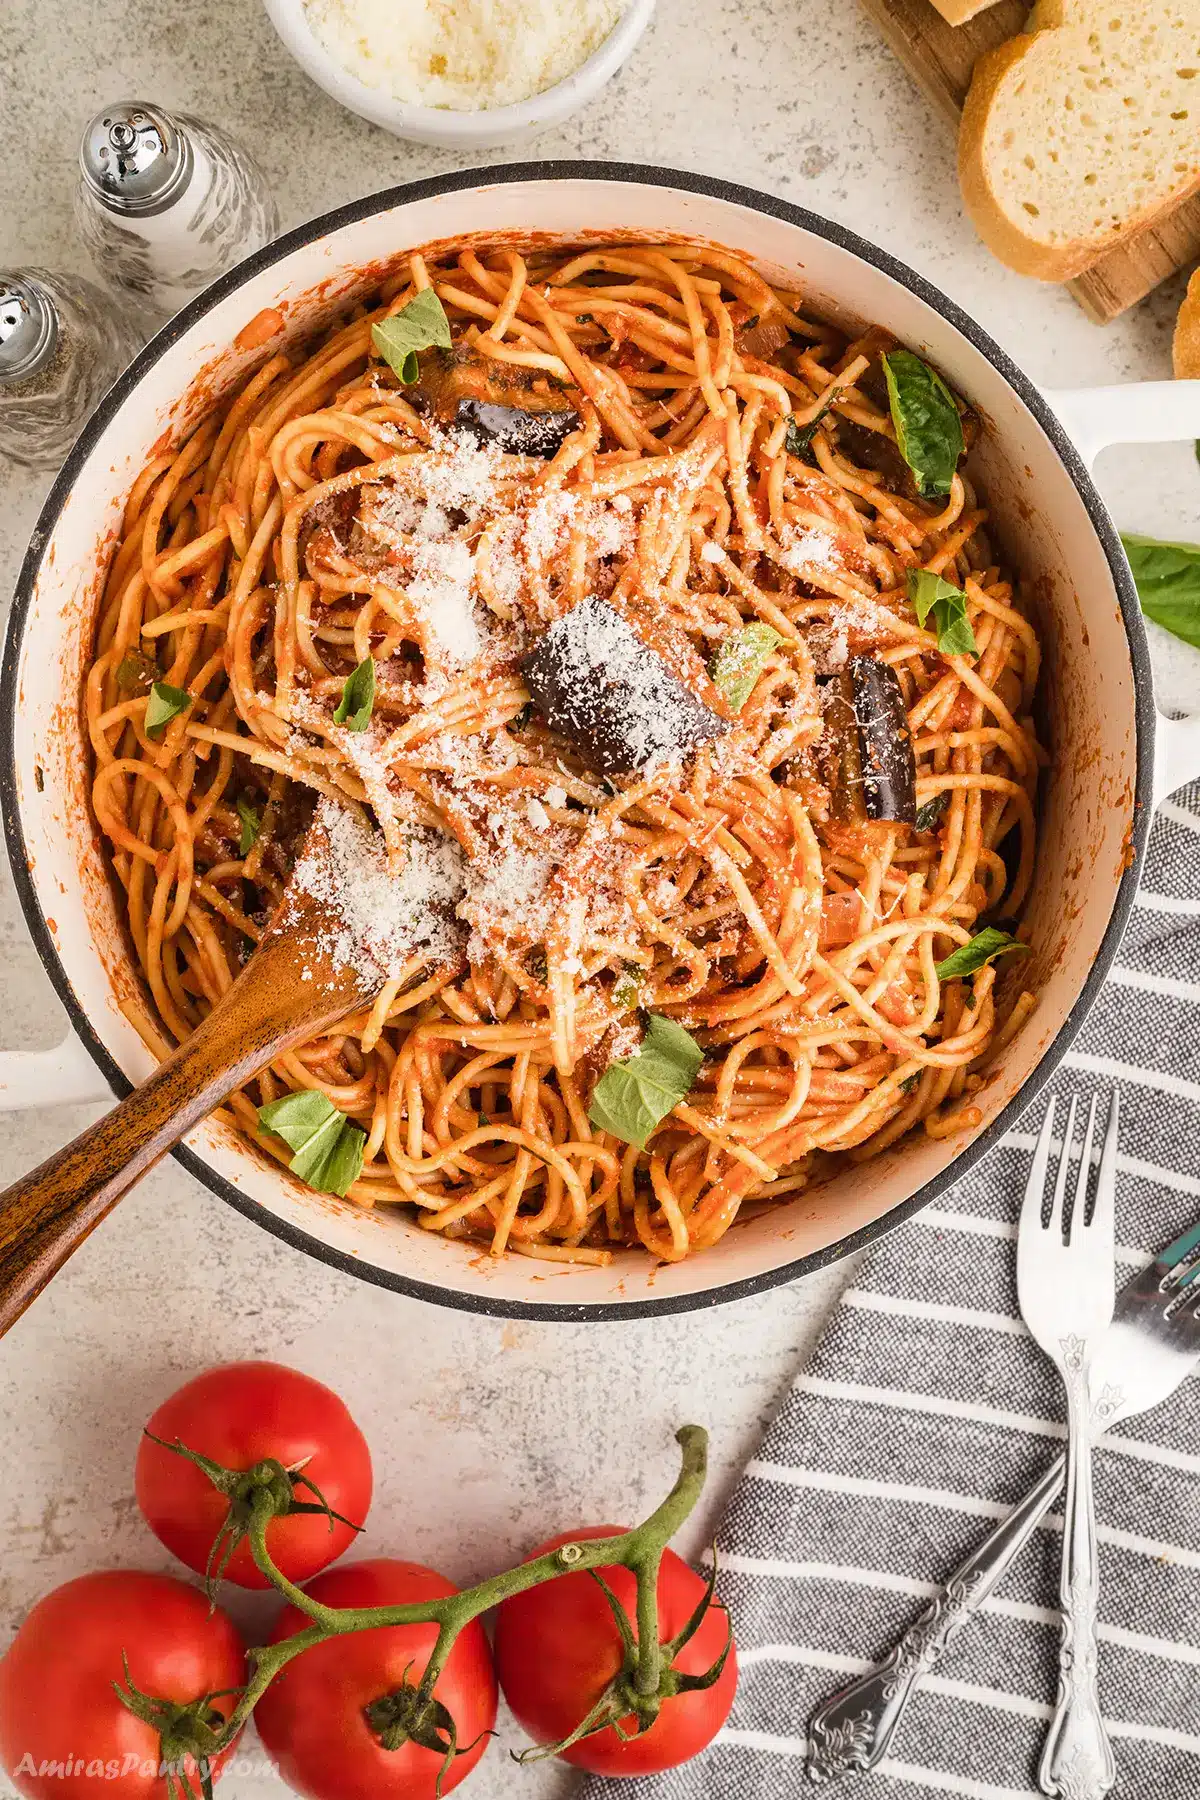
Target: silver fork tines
(1065, 1286)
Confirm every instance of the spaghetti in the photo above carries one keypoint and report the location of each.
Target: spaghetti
(727, 459)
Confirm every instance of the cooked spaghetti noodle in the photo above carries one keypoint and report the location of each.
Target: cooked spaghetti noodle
(322, 516)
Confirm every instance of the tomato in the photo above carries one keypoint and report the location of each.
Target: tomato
(238, 1415)
(312, 1717)
(58, 1708)
(557, 1647)
(841, 920)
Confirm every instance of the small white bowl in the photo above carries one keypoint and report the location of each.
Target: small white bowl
(438, 125)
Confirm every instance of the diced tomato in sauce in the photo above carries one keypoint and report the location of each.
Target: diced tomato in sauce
(841, 916)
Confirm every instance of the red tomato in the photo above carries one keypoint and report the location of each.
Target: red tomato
(557, 1648)
(62, 1725)
(896, 1005)
(841, 920)
(312, 1717)
(239, 1414)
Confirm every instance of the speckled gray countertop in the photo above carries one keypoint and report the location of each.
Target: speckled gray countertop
(486, 1435)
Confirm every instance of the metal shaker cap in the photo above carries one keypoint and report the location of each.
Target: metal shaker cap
(28, 328)
(135, 158)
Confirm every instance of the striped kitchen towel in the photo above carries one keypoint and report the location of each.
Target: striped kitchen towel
(927, 1410)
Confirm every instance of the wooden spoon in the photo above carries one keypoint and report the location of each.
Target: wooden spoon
(294, 986)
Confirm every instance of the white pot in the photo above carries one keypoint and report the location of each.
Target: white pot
(1033, 464)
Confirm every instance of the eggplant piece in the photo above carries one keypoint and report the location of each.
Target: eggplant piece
(596, 682)
(519, 410)
(872, 450)
(866, 751)
(518, 432)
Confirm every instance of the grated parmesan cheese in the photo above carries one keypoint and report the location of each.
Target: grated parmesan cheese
(462, 55)
(808, 548)
(380, 917)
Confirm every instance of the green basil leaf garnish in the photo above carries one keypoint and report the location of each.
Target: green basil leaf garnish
(929, 814)
(136, 673)
(165, 703)
(797, 439)
(929, 431)
(636, 1094)
(357, 703)
(327, 1148)
(930, 594)
(418, 325)
(628, 986)
(740, 660)
(1168, 584)
(251, 826)
(985, 945)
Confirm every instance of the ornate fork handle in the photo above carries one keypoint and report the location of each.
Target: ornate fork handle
(853, 1729)
(1077, 1760)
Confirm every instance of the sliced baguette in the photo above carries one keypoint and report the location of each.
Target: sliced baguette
(1186, 347)
(1081, 131)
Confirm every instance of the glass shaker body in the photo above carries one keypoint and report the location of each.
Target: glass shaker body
(63, 342)
(166, 203)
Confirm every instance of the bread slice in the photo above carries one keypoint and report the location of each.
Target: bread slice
(957, 12)
(1082, 130)
(1186, 348)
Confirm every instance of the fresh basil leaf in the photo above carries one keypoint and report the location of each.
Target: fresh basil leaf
(740, 661)
(910, 1084)
(327, 1148)
(357, 703)
(415, 327)
(295, 1117)
(136, 673)
(636, 1094)
(930, 594)
(929, 815)
(339, 1165)
(628, 986)
(251, 826)
(929, 431)
(797, 439)
(985, 945)
(1168, 584)
(165, 703)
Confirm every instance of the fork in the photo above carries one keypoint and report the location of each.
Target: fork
(1152, 1345)
(1065, 1287)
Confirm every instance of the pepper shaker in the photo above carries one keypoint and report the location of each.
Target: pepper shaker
(166, 203)
(63, 341)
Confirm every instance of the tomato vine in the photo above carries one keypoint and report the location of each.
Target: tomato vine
(412, 1713)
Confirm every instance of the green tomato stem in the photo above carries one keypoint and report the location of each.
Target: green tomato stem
(639, 1550)
(649, 1656)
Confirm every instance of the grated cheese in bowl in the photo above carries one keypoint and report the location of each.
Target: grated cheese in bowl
(462, 55)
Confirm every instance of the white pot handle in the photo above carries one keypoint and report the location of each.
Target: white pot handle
(64, 1076)
(1140, 412)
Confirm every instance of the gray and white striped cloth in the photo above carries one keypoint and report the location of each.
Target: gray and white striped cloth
(927, 1410)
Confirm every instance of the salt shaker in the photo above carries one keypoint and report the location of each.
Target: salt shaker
(166, 203)
(63, 342)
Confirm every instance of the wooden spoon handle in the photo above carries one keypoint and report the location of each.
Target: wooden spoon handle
(48, 1213)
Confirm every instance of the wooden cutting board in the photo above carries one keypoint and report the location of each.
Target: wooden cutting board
(940, 57)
